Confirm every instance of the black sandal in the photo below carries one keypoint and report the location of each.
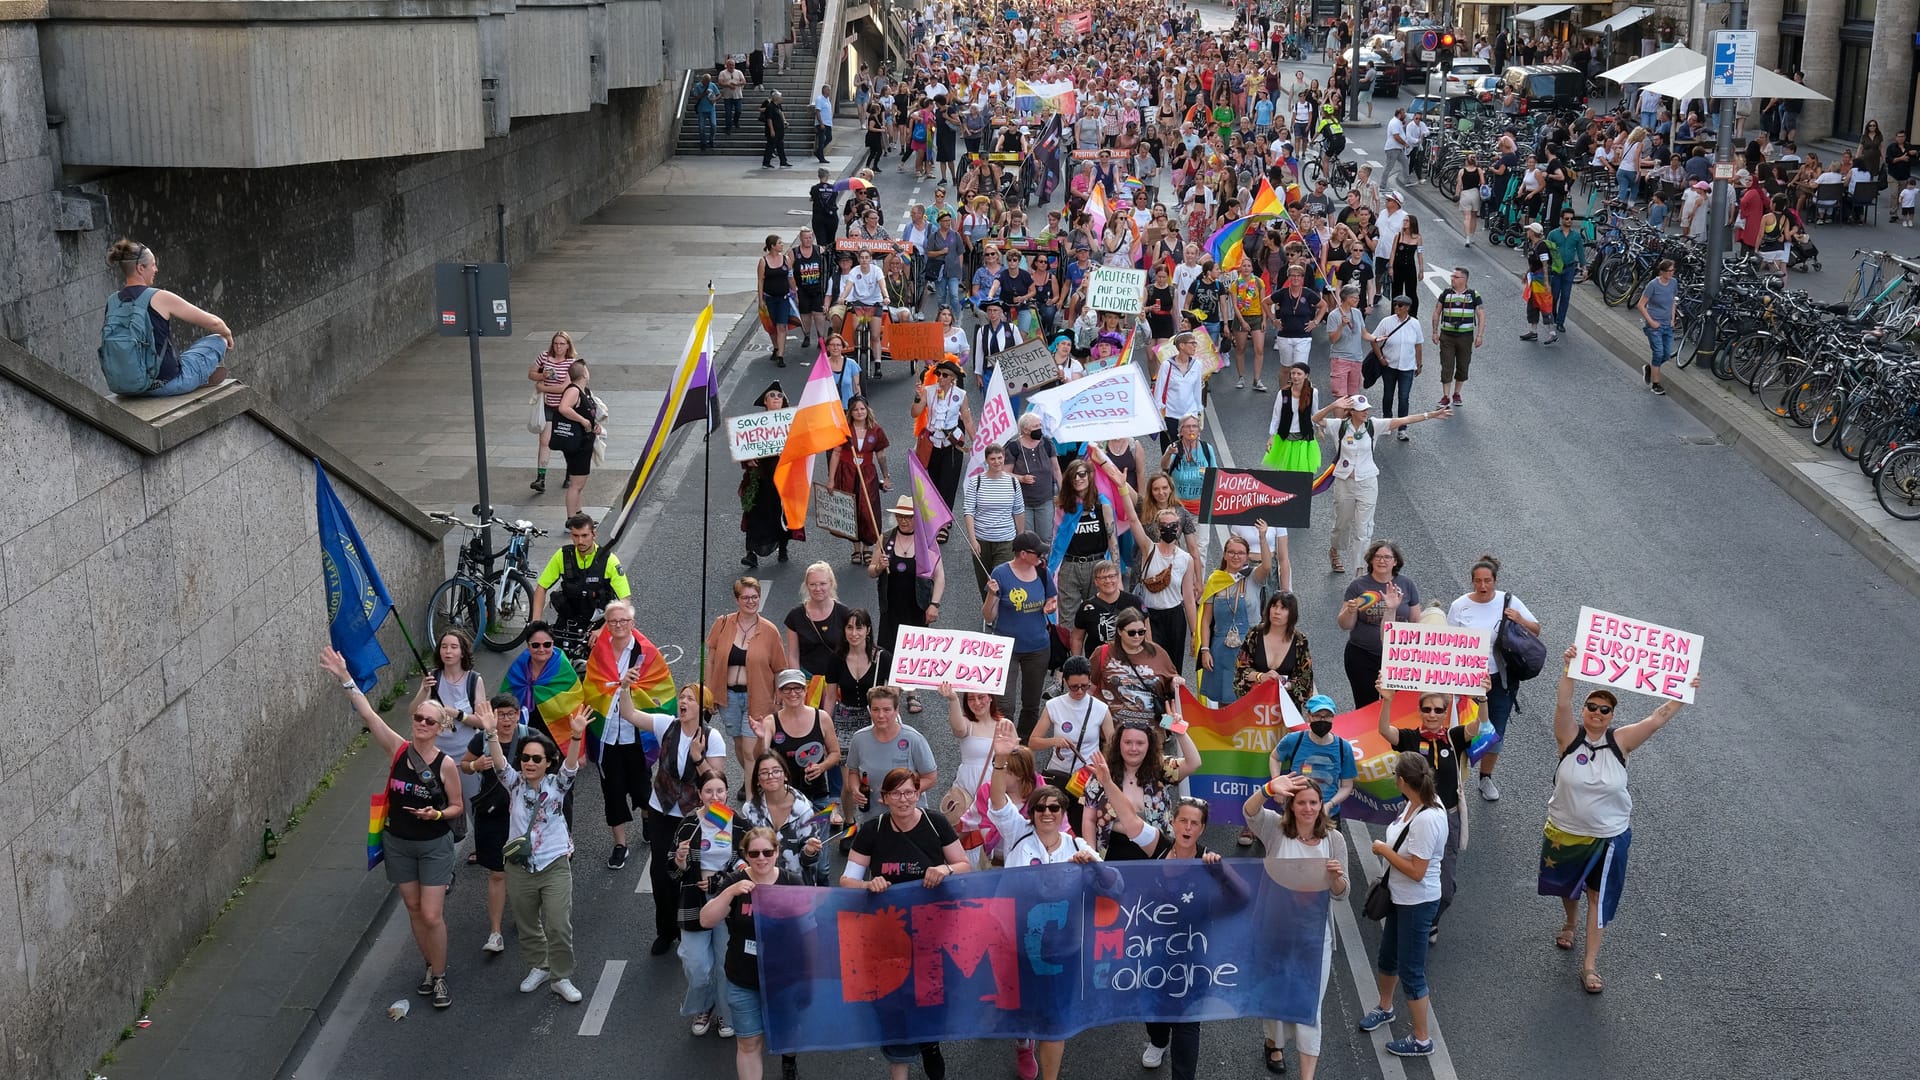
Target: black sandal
(1276, 1059)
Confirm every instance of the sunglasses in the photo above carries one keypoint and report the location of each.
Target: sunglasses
(1134, 633)
(1050, 808)
(761, 853)
(426, 720)
(539, 645)
(1603, 710)
(1441, 711)
(534, 758)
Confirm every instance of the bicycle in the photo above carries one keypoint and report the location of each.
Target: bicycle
(492, 609)
(1898, 486)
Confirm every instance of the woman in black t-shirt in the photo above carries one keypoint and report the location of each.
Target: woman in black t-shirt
(733, 902)
(904, 844)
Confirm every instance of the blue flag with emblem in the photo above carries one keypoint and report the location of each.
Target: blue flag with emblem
(357, 600)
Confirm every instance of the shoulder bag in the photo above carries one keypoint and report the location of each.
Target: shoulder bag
(1379, 902)
(1372, 368)
(1522, 654)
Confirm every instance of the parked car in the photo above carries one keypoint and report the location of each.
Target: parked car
(1432, 107)
(1415, 62)
(1463, 75)
(1386, 81)
(1554, 87)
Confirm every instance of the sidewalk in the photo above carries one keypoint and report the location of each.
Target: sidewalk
(252, 993)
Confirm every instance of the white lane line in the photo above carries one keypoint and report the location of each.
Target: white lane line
(645, 888)
(1359, 961)
(602, 1002)
(1371, 865)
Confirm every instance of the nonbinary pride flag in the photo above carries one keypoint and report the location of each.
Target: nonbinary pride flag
(1041, 952)
(357, 600)
(690, 399)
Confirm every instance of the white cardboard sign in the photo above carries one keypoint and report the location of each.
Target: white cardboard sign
(1440, 659)
(972, 662)
(1636, 656)
(758, 434)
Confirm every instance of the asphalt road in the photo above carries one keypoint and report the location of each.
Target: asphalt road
(1762, 888)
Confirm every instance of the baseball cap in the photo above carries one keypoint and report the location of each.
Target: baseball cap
(1030, 542)
(1320, 703)
(1360, 403)
(790, 677)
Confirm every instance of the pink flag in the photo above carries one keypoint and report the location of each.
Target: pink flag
(819, 425)
(930, 515)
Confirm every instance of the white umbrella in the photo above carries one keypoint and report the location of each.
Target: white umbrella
(1766, 84)
(1657, 66)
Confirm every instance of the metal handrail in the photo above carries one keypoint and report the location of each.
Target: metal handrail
(680, 110)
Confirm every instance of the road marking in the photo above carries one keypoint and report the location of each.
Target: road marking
(603, 992)
(1371, 866)
(1438, 281)
(1359, 962)
(645, 888)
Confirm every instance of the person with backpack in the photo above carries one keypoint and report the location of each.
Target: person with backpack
(1486, 608)
(422, 793)
(1319, 755)
(578, 421)
(1186, 462)
(1356, 475)
(137, 353)
(1589, 814)
(454, 684)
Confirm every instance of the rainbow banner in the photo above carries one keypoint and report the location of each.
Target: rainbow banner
(551, 696)
(1235, 741)
(652, 692)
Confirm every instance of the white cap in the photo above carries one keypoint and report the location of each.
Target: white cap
(1360, 403)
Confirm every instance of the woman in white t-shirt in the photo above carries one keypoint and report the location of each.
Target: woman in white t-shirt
(1300, 831)
(1356, 476)
(1413, 847)
(1168, 586)
(1482, 609)
(1074, 725)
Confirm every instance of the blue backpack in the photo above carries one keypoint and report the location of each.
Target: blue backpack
(127, 355)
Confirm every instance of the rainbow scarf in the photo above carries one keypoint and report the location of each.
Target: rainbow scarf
(652, 692)
(552, 696)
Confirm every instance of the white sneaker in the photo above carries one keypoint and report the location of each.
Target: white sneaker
(1152, 1056)
(568, 992)
(533, 980)
(495, 944)
(725, 1030)
(1488, 789)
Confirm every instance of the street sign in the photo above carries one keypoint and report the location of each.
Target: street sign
(1733, 56)
(450, 300)
(1430, 40)
(1723, 171)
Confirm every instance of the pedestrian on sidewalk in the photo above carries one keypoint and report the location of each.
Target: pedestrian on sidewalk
(423, 793)
(1568, 256)
(540, 859)
(1656, 311)
(1459, 326)
(706, 102)
(549, 376)
(491, 819)
(773, 126)
(1539, 264)
(822, 124)
(733, 87)
(580, 421)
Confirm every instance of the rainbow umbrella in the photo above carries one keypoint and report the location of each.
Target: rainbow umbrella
(854, 183)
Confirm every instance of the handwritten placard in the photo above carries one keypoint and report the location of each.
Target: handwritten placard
(1113, 404)
(1443, 659)
(1116, 288)
(833, 511)
(915, 341)
(973, 663)
(1637, 656)
(1027, 366)
(760, 434)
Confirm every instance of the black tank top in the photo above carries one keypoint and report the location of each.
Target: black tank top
(776, 283)
(1470, 178)
(802, 751)
(1089, 534)
(809, 271)
(411, 786)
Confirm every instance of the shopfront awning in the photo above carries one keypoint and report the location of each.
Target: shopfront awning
(1620, 21)
(1492, 3)
(1542, 13)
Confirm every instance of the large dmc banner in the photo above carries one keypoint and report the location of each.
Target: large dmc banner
(1041, 952)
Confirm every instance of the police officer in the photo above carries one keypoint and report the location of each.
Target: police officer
(588, 577)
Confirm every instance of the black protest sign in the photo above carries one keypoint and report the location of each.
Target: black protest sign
(1244, 496)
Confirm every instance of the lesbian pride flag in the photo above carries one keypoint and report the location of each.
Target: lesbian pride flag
(819, 425)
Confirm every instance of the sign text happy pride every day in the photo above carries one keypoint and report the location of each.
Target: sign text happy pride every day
(971, 662)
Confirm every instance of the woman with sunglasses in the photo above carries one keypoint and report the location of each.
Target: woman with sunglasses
(1134, 676)
(1227, 617)
(1589, 815)
(1032, 832)
(1445, 749)
(904, 844)
(1412, 849)
(540, 882)
(801, 734)
(423, 791)
(732, 904)
(1299, 831)
(1073, 727)
(780, 806)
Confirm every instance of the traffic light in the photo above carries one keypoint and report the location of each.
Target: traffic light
(1445, 55)
(1446, 41)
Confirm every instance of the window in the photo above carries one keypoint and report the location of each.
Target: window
(1861, 10)
(1793, 7)
(1790, 47)
(1850, 97)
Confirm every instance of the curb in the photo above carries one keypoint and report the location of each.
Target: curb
(1740, 427)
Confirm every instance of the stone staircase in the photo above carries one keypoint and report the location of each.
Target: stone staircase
(796, 99)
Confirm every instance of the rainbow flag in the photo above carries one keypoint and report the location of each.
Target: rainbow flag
(1537, 295)
(553, 695)
(718, 816)
(1225, 244)
(1265, 202)
(1235, 741)
(716, 828)
(376, 830)
(652, 692)
(1324, 481)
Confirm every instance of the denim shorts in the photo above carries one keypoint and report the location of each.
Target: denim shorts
(732, 716)
(744, 1004)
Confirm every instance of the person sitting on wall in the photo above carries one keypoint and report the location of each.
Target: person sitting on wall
(136, 342)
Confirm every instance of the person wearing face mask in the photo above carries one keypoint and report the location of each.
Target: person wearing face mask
(1169, 585)
(1445, 749)
(1318, 755)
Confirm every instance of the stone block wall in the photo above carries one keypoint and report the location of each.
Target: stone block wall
(323, 271)
(160, 618)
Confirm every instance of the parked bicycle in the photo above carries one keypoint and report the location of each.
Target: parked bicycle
(490, 608)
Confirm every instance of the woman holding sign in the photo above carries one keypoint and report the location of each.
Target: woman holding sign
(1589, 815)
(859, 465)
(761, 517)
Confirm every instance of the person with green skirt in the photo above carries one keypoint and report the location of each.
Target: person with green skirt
(1296, 442)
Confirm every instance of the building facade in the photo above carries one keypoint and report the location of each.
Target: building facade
(1860, 53)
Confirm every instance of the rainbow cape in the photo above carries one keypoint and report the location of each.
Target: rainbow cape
(1236, 739)
(551, 696)
(652, 692)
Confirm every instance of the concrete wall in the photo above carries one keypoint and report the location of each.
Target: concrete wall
(324, 271)
(159, 620)
(635, 32)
